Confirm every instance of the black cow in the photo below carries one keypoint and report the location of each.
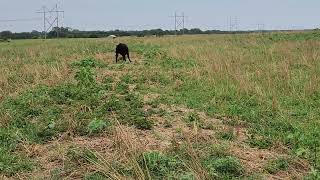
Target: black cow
(123, 50)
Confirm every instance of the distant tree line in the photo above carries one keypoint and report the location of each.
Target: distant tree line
(66, 32)
(74, 33)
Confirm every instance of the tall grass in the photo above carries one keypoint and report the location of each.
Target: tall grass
(270, 83)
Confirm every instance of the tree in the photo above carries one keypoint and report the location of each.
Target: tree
(6, 35)
(35, 34)
(195, 31)
(63, 32)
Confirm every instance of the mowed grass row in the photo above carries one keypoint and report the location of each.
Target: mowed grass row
(268, 83)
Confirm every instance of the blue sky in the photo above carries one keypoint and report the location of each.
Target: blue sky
(147, 14)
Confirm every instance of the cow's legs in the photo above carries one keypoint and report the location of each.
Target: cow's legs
(117, 57)
(129, 57)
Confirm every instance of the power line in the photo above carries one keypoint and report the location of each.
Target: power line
(20, 20)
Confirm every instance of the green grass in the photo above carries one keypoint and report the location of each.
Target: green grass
(37, 116)
(295, 37)
(160, 166)
(193, 120)
(96, 126)
(221, 164)
(225, 167)
(277, 165)
(227, 135)
(291, 118)
(270, 83)
(12, 163)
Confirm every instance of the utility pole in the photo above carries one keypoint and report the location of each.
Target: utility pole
(44, 11)
(57, 21)
(230, 24)
(183, 21)
(179, 22)
(44, 22)
(175, 23)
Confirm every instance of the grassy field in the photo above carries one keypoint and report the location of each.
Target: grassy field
(188, 107)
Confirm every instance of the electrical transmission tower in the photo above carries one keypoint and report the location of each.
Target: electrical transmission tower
(49, 21)
(179, 22)
(261, 27)
(233, 24)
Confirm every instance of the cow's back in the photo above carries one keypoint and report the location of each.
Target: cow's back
(122, 49)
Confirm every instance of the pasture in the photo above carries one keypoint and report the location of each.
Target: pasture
(241, 106)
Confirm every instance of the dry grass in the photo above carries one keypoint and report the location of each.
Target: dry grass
(236, 67)
(125, 145)
(252, 71)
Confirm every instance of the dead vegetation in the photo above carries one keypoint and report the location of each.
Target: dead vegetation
(124, 145)
(201, 146)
